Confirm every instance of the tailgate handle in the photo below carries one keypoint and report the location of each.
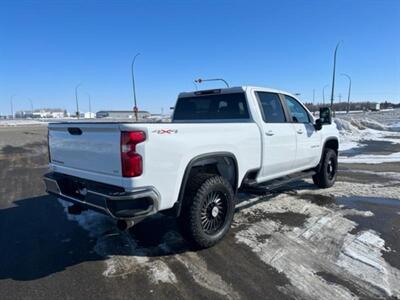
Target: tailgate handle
(74, 130)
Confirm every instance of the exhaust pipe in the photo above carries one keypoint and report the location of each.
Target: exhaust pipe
(125, 224)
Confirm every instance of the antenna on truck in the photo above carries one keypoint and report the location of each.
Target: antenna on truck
(212, 79)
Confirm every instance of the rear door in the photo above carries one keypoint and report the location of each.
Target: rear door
(279, 146)
(308, 138)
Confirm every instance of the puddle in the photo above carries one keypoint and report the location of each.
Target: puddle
(321, 200)
(291, 219)
(371, 147)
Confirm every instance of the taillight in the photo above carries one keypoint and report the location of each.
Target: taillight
(132, 163)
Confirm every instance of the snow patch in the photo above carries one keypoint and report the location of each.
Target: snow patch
(371, 159)
(122, 254)
(323, 244)
(354, 129)
(197, 267)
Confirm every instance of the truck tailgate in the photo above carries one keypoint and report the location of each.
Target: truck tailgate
(91, 147)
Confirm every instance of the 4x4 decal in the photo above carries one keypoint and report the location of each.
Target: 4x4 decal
(165, 131)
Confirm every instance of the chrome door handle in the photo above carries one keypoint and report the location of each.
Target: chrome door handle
(269, 132)
(300, 131)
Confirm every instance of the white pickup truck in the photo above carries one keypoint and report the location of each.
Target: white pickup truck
(219, 141)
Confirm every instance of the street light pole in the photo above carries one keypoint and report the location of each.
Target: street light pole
(76, 98)
(135, 108)
(323, 94)
(12, 106)
(30, 101)
(334, 73)
(348, 94)
(90, 106)
(313, 96)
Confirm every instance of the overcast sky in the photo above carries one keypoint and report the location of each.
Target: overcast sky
(48, 47)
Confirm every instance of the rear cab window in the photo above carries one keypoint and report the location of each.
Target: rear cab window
(232, 107)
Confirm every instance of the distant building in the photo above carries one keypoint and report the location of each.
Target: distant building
(40, 113)
(122, 114)
(89, 115)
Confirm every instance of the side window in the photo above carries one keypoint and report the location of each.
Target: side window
(298, 113)
(271, 107)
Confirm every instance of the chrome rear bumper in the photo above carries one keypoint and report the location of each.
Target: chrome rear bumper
(113, 201)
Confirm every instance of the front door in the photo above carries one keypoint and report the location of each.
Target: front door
(308, 138)
(279, 138)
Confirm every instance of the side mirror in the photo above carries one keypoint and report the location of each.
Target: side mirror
(325, 118)
(325, 115)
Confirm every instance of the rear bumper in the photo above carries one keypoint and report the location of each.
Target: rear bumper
(107, 199)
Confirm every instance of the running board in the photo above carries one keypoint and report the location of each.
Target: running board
(253, 188)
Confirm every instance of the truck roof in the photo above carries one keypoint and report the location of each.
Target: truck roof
(235, 89)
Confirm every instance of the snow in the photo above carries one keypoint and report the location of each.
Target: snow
(371, 159)
(355, 128)
(13, 123)
(324, 244)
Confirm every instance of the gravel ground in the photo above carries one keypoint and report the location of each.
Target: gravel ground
(300, 242)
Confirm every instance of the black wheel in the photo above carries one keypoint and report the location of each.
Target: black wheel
(207, 211)
(326, 175)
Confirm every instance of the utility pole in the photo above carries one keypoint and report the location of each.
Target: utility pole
(76, 98)
(90, 106)
(334, 73)
(348, 94)
(135, 108)
(323, 93)
(12, 106)
(313, 96)
(30, 101)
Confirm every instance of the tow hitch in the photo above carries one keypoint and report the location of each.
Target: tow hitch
(75, 209)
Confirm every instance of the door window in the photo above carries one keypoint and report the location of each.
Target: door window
(297, 111)
(271, 107)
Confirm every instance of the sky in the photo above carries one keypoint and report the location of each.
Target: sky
(48, 47)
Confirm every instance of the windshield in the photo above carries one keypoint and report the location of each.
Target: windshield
(212, 107)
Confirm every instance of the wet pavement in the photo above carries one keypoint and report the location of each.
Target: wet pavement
(299, 242)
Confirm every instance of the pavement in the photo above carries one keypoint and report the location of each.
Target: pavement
(297, 243)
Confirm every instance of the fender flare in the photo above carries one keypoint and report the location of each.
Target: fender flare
(178, 204)
(329, 139)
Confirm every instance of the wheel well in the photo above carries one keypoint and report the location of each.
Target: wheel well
(222, 164)
(332, 144)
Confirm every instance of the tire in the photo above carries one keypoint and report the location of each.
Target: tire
(326, 176)
(207, 211)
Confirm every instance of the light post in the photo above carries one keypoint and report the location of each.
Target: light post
(212, 79)
(90, 106)
(30, 101)
(334, 73)
(135, 108)
(323, 93)
(348, 94)
(313, 96)
(12, 106)
(76, 98)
